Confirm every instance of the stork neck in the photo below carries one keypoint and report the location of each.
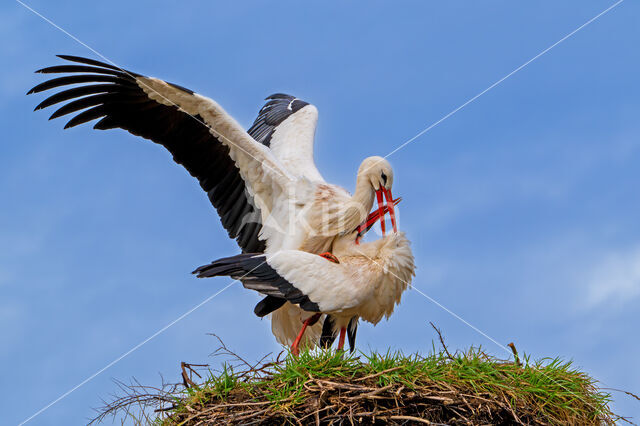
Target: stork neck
(364, 195)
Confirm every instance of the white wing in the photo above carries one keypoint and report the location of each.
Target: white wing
(368, 282)
(332, 287)
(287, 125)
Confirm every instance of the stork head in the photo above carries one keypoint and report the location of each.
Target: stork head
(378, 172)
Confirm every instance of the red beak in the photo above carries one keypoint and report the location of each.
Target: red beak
(392, 211)
(376, 214)
(381, 211)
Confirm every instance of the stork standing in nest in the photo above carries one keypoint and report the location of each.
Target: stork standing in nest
(263, 182)
(362, 281)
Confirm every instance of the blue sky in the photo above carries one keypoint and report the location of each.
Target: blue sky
(522, 208)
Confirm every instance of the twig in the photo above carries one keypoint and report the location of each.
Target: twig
(343, 385)
(371, 376)
(186, 378)
(513, 413)
(442, 399)
(370, 394)
(226, 351)
(442, 341)
(460, 415)
(515, 354)
(248, 416)
(411, 418)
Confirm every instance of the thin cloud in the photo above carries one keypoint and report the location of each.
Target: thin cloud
(615, 280)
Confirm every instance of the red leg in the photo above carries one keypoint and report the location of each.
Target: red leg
(295, 348)
(343, 332)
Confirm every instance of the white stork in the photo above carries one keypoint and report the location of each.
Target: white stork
(363, 281)
(263, 183)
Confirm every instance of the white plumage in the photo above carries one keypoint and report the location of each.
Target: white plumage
(367, 283)
(263, 183)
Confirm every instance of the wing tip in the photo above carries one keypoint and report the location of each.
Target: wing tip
(69, 57)
(279, 95)
(198, 270)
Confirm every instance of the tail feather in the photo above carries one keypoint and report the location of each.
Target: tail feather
(328, 335)
(233, 266)
(255, 273)
(352, 329)
(268, 305)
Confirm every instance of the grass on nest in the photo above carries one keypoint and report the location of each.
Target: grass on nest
(324, 386)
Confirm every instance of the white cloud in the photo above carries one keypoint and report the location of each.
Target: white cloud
(616, 279)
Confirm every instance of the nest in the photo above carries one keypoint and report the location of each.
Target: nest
(327, 388)
(363, 401)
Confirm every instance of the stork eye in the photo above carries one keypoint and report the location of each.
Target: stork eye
(384, 178)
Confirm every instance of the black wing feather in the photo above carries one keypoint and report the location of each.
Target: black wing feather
(78, 92)
(86, 116)
(112, 95)
(255, 273)
(278, 108)
(83, 103)
(268, 305)
(72, 79)
(88, 61)
(83, 68)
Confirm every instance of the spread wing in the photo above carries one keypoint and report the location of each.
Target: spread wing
(241, 176)
(287, 125)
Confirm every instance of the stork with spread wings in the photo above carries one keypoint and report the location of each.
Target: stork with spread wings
(263, 182)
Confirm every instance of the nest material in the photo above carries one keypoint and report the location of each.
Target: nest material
(326, 388)
(327, 402)
(289, 392)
